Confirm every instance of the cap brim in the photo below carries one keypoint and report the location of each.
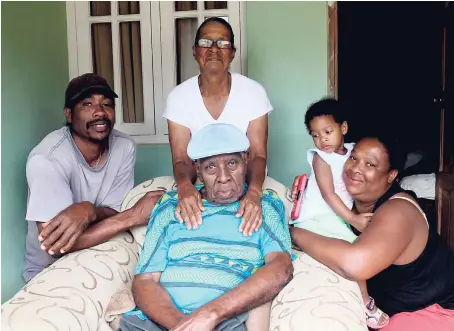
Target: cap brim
(210, 153)
(107, 92)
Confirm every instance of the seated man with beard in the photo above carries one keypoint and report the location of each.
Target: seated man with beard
(208, 278)
(78, 177)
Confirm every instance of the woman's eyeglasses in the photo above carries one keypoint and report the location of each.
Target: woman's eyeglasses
(208, 43)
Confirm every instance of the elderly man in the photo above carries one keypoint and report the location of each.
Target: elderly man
(78, 177)
(210, 277)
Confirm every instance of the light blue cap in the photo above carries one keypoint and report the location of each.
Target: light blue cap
(217, 139)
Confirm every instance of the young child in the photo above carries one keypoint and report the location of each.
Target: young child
(326, 205)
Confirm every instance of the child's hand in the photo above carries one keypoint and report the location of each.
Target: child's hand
(295, 188)
(361, 221)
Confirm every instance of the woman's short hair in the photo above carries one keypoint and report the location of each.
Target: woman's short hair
(217, 20)
(393, 147)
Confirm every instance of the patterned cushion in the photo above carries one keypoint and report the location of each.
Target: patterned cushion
(75, 292)
(165, 183)
(316, 299)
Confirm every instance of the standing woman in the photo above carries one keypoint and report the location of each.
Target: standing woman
(217, 96)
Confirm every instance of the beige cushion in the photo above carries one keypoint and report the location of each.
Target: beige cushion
(316, 299)
(74, 292)
(87, 289)
(165, 183)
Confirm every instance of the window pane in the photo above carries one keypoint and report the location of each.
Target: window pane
(102, 55)
(185, 30)
(215, 4)
(99, 8)
(131, 72)
(128, 7)
(185, 5)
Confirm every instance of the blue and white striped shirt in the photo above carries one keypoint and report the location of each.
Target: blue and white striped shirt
(200, 265)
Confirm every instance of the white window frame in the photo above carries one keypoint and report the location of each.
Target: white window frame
(157, 25)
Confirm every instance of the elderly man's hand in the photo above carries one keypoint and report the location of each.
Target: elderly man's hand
(251, 211)
(190, 206)
(200, 320)
(62, 232)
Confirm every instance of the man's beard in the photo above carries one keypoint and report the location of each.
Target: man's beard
(109, 126)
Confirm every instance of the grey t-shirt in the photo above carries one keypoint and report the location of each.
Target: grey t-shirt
(58, 176)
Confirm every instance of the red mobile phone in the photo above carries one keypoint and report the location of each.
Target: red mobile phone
(299, 198)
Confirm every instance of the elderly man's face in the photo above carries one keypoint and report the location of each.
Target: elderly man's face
(224, 177)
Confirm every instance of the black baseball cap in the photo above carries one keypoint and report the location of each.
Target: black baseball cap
(87, 82)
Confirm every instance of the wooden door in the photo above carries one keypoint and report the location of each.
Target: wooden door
(445, 177)
(332, 48)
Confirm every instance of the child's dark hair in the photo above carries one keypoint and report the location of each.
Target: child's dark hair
(324, 107)
(217, 20)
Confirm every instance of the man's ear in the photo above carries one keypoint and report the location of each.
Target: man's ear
(68, 114)
(197, 168)
(245, 156)
(344, 128)
(392, 176)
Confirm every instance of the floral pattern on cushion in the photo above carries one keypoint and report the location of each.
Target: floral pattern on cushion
(75, 292)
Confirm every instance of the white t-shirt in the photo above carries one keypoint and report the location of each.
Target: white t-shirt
(313, 203)
(247, 101)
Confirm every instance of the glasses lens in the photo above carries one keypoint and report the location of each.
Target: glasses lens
(205, 43)
(223, 44)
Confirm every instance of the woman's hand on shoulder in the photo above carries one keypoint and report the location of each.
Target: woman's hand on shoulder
(251, 211)
(190, 206)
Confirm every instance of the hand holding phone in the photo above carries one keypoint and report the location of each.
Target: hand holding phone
(302, 182)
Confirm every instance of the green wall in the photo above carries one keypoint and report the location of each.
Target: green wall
(34, 77)
(287, 53)
(152, 161)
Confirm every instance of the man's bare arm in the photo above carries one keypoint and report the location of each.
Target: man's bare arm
(261, 287)
(154, 301)
(96, 234)
(102, 231)
(104, 212)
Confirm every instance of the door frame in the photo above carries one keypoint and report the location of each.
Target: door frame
(332, 48)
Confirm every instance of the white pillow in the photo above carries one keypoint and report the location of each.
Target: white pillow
(423, 185)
